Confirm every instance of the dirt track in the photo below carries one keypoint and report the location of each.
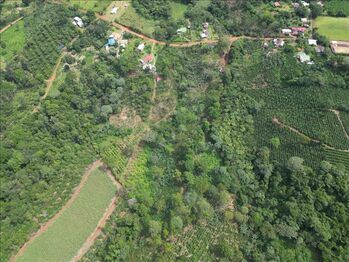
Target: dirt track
(44, 227)
(279, 123)
(10, 24)
(340, 121)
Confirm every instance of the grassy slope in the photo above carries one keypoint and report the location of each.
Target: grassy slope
(132, 19)
(93, 5)
(14, 38)
(178, 10)
(335, 28)
(66, 235)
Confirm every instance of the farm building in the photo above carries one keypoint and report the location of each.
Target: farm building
(312, 42)
(111, 40)
(286, 31)
(303, 57)
(114, 10)
(340, 47)
(319, 49)
(204, 34)
(147, 59)
(304, 20)
(181, 30)
(279, 42)
(141, 47)
(78, 21)
(298, 30)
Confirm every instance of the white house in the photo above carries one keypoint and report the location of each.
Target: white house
(312, 42)
(279, 42)
(78, 21)
(286, 31)
(114, 10)
(303, 57)
(306, 4)
(141, 47)
(304, 20)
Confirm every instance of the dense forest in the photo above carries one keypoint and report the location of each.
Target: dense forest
(214, 177)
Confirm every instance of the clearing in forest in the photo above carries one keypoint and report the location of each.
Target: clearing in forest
(67, 234)
(12, 41)
(335, 28)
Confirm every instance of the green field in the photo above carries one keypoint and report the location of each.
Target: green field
(67, 234)
(93, 5)
(335, 28)
(334, 7)
(12, 41)
(178, 10)
(132, 19)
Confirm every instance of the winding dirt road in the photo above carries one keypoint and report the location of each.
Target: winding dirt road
(279, 123)
(10, 24)
(336, 112)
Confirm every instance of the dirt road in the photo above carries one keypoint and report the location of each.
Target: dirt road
(10, 24)
(44, 227)
(279, 123)
(340, 121)
(98, 230)
(179, 44)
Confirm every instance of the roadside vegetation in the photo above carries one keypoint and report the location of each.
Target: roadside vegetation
(227, 150)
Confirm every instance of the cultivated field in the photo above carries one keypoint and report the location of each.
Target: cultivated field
(131, 19)
(93, 5)
(335, 28)
(178, 9)
(12, 41)
(66, 235)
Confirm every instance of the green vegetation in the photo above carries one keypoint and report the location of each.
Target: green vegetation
(178, 9)
(92, 5)
(337, 7)
(226, 152)
(135, 21)
(335, 28)
(12, 41)
(62, 239)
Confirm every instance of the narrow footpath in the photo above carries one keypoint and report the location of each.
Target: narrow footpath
(336, 112)
(279, 123)
(10, 24)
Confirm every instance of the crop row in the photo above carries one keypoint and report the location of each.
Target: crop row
(338, 158)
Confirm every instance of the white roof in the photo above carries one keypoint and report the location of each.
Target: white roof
(77, 19)
(286, 30)
(141, 46)
(312, 42)
(304, 3)
(304, 19)
(113, 11)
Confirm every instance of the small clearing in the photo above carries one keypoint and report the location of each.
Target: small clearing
(127, 118)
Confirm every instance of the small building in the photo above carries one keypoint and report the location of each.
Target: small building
(304, 20)
(286, 31)
(312, 42)
(78, 21)
(204, 34)
(114, 10)
(295, 5)
(340, 47)
(123, 43)
(147, 59)
(320, 3)
(141, 47)
(298, 30)
(305, 4)
(277, 4)
(205, 25)
(303, 57)
(319, 49)
(279, 42)
(111, 41)
(181, 30)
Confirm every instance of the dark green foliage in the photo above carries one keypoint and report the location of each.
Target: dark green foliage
(157, 9)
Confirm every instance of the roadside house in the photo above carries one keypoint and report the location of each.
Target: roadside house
(286, 31)
(312, 42)
(298, 30)
(141, 47)
(303, 57)
(278, 42)
(181, 30)
(78, 21)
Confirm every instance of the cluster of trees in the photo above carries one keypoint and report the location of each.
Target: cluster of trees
(152, 9)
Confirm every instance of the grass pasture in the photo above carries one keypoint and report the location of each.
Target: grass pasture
(178, 9)
(13, 40)
(334, 28)
(93, 5)
(122, 6)
(63, 238)
(131, 19)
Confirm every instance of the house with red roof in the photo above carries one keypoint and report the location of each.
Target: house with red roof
(298, 30)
